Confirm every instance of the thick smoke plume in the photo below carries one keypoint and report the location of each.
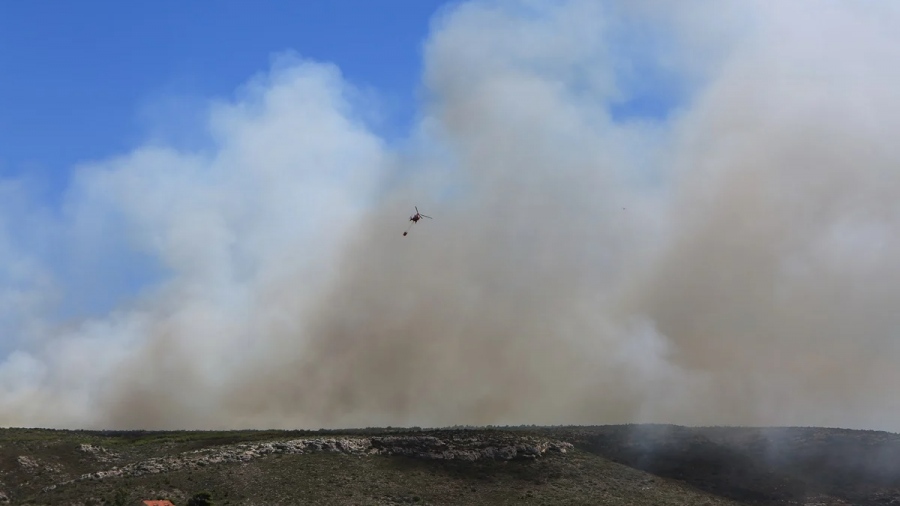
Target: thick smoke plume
(726, 256)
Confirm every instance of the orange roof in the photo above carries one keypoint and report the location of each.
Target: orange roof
(158, 503)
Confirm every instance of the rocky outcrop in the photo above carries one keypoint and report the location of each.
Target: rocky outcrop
(28, 463)
(423, 447)
(99, 453)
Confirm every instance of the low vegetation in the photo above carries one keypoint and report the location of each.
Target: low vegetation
(622, 465)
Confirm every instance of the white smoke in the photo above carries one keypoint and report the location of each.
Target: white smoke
(726, 260)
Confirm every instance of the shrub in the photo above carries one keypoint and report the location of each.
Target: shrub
(200, 499)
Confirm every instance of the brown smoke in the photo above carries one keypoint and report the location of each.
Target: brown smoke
(733, 263)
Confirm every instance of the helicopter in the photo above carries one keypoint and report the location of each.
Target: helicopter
(415, 218)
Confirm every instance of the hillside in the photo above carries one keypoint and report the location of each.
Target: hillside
(629, 464)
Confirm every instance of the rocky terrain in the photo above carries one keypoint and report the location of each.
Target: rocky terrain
(467, 449)
(629, 464)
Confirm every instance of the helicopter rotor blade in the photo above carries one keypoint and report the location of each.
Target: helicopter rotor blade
(422, 215)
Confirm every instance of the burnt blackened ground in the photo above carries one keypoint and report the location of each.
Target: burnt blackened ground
(760, 465)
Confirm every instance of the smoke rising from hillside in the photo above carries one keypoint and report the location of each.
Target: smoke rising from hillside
(728, 263)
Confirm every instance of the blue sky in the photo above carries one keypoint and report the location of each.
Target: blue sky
(88, 81)
(84, 81)
(77, 76)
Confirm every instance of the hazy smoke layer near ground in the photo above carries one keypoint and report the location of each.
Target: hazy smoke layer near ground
(724, 255)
